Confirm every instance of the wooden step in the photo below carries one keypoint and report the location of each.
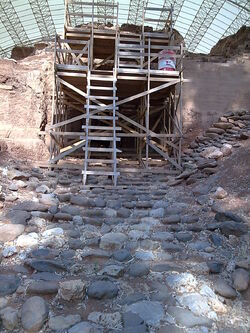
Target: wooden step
(96, 107)
(101, 88)
(103, 128)
(102, 117)
(102, 78)
(130, 56)
(127, 39)
(101, 173)
(135, 47)
(98, 160)
(101, 149)
(100, 138)
(107, 98)
(129, 65)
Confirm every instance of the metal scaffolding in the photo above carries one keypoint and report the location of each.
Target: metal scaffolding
(105, 9)
(44, 20)
(202, 21)
(243, 17)
(135, 12)
(12, 23)
(197, 26)
(177, 5)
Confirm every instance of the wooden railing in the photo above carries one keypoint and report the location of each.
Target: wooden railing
(67, 54)
(138, 55)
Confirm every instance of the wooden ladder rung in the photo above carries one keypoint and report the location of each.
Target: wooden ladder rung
(104, 128)
(93, 160)
(129, 65)
(101, 173)
(131, 46)
(127, 39)
(96, 107)
(101, 88)
(102, 78)
(107, 98)
(131, 56)
(102, 117)
(101, 149)
(100, 138)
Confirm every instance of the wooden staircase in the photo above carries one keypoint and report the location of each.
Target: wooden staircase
(100, 130)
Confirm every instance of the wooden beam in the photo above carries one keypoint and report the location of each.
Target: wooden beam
(71, 149)
(165, 155)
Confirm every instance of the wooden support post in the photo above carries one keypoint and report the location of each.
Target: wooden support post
(148, 103)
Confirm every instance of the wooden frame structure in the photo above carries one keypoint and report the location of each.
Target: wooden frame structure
(109, 95)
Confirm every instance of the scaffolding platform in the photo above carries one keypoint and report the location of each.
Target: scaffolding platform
(110, 99)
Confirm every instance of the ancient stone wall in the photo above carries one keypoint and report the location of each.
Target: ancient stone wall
(214, 88)
(25, 99)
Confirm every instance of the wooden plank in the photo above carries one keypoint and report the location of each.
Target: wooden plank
(73, 41)
(131, 55)
(65, 83)
(157, 34)
(100, 149)
(71, 74)
(126, 65)
(131, 46)
(71, 51)
(101, 138)
(103, 128)
(72, 67)
(102, 88)
(80, 92)
(68, 121)
(107, 98)
(165, 155)
(103, 117)
(101, 78)
(152, 71)
(72, 148)
(102, 173)
(98, 160)
(143, 135)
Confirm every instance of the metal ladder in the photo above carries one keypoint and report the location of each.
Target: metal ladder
(106, 86)
(130, 52)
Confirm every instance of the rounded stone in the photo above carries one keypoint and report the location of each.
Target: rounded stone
(215, 267)
(9, 232)
(222, 288)
(112, 241)
(63, 322)
(33, 314)
(151, 312)
(184, 237)
(138, 269)
(240, 279)
(102, 290)
(8, 284)
(122, 255)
